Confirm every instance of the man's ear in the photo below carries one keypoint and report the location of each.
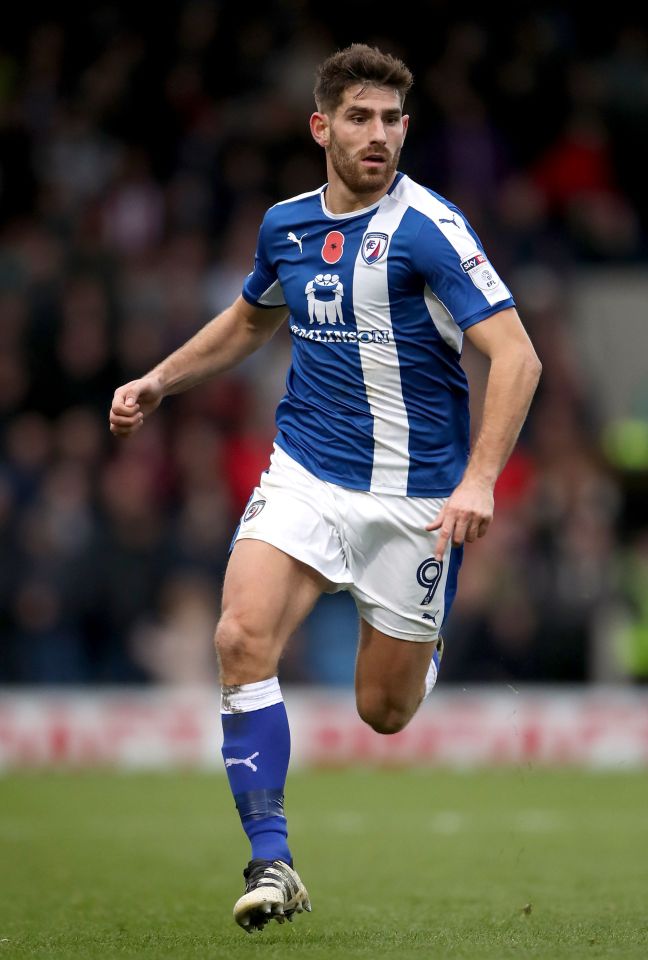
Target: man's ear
(405, 126)
(319, 127)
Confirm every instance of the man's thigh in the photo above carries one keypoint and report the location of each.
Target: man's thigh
(268, 591)
(266, 595)
(390, 671)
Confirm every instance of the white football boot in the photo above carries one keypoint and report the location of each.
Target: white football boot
(273, 891)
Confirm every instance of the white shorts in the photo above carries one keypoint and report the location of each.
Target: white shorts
(373, 545)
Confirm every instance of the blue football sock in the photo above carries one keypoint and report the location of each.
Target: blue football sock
(256, 750)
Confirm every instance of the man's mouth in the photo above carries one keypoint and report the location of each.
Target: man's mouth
(374, 160)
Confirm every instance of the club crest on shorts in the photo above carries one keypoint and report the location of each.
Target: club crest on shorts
(254, 510)
(374, 247)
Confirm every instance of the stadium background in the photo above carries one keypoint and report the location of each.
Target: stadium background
(139, 148)
(137, 158)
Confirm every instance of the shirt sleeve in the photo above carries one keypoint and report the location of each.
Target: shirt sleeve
(261, 288)
(457, 270)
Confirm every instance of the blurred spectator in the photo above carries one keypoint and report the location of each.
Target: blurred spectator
(632, 632)
(133, 211)
(575, 178)
(177, 648)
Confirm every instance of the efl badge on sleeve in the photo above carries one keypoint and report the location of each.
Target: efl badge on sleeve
(374, 246)
(480, 271)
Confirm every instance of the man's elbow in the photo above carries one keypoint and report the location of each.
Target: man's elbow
(514, 358)
(534, 367)
(525, 362)
(531, 365)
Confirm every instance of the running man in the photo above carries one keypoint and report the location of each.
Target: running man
(371, 486)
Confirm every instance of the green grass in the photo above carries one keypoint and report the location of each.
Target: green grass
(399, 864)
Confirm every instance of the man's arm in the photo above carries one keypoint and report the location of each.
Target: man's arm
(221, 344)
(512, 380)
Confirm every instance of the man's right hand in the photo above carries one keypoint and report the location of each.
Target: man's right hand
(132, 403)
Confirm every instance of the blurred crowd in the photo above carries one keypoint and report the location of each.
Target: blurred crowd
(137, 157)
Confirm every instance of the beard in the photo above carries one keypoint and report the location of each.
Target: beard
(359, 179)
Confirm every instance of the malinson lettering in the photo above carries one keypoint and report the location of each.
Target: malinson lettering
(341, 336)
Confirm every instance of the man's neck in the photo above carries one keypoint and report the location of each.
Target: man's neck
(339, 199)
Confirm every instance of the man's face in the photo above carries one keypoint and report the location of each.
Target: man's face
(366, 134)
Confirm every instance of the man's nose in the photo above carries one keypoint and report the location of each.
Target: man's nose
(377, 131)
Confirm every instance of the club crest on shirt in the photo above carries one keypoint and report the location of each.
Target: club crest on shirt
(374, 246)
(480, 271)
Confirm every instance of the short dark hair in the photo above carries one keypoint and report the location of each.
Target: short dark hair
(358, 64)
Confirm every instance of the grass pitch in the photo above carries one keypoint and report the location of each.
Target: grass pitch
(405, 864)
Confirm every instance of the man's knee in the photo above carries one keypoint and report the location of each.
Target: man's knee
(383, 713)
(241, 651)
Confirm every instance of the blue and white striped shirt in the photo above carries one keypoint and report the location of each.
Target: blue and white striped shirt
(379, 298)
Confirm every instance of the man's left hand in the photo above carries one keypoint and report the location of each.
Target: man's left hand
(466, 515)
